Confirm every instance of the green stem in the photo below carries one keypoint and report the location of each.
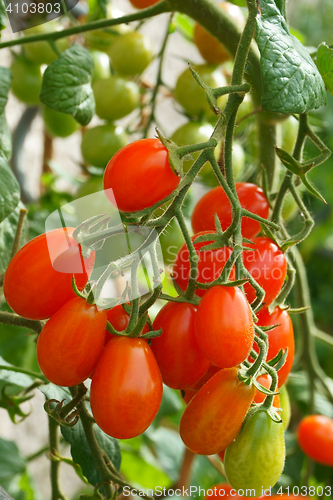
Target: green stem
(13, 319)
(55, 464)
(32, 374)
(19, 231)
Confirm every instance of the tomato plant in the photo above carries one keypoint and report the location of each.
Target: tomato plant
(265, 381)
(315, 438)
(115, 97)
(100, 143)
(119, 319)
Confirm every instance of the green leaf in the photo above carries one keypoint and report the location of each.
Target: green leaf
(11, 461)
(103, 6)
(241, 3)
(7, 233)
(325, 65)
(3, 16)
(66, 85)
(169, 449)
(185, 25)
(52, 391)
(171, 404)
(9, 190)
(291, 80)
(6, 81)
(5, 137)
(17, 381)
(142, 470)
(81, 453)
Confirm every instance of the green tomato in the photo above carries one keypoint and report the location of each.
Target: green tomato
(131, 53)
(255, 459)
(42, 52)
(102, 40)
(101, 65)
(289, 131)
(59, 124)
(115, 97)
(100, 143)
(191, 96)
(27, 80)
(192, 133)
(289, 207)
(285, 406)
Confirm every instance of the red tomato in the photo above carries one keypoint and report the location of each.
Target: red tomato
(139, 175)
(210, 265)
(315, 438)
(224, 326)
(71, 343)
(119, 319)
(268, 266)
(259, 397)
(251, 198)
(189, 393)
(281, 337)
(221, 455)
(176, 351)
(126, 389)
(38, 280)
(213, 418)
(142, 4)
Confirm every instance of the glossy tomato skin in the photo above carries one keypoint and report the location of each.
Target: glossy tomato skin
(281, 337)
(187, 394)
(251, 198)
(224, 326)
(35, 286)
(210, 265)
(126, 389)
(140, 175)
(255, 460)
(176, 351)
(71, 343)
(142, 4)
(268, 266)
(214, 416)
(115, 97)
(119, 319)
(315, 438)
(259, 397)
(100, 143)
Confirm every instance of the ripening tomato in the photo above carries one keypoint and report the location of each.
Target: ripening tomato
(142, 4)
(126, 389)
(281, 337)
(224, 326)
(255, 459)
(214, 416)
(251, 198)
(176, 351)
(38, 280)
(315, 438)
(259, 397)
(210, 265)
(115, 97)
(187, 394)
(267, 265)
(71, 343)
(119, 319)
(131, 53)
(140, 175)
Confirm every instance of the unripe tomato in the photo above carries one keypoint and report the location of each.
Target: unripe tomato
(289, 129)
(315, 438)
(281, 337)
(251, 198)
(192, 133)
(38, 280)
(259, 397)
(267, 265)
(59, 124)
(27, 80)
(71, 343)
(214, 416)
(209, 47)
(191, 96)
(224, 326)
(119, 319)
(100, 143)
(285, 406)
(102, 39)
(101, 65)
(42, 52)
(176, 351)
(210, 264)
(126, 389)
(255, 460)
(131, 53)
(115, 97)
(140, 175)
(142, 4)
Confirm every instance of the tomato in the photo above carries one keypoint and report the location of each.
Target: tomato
(38, 280)
(101, 65)
(142, 4)
(315, 438)
(102, 39)
(191, 391)
(268, 266)
(210, 265)
(222, 490)
(115, 97)
(100, 143)
(131, 53)
(119, 319)
(289, 129)
(42, 52)
(59, 124)
(251, 198)
(224, 326)
(27, 80)
(255, 460)
(191, 96)
(140, 175)
(176, 351)
(209, 47)
(126, 389)
(281, 337)
(266, 381)
(214, 416)
(192, 133)
(285, 406)
(71, 343)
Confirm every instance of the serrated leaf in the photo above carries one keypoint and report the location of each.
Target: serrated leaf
(291, 80)
(7, 235)
(5, 138)
(5, 83)
(66, 84)
(9, 189)
(325, 65)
